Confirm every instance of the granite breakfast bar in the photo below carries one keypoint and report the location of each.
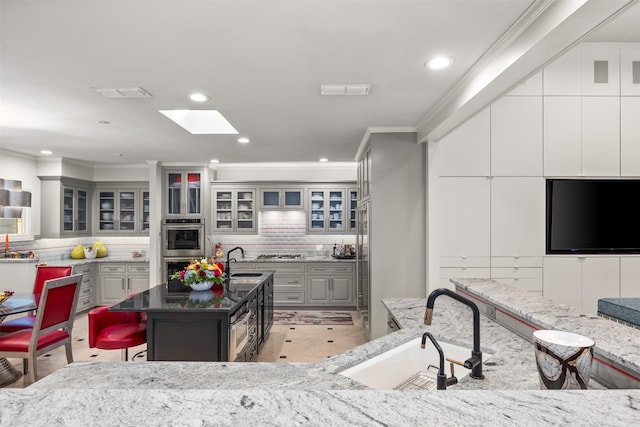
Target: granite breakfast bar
(197, 393)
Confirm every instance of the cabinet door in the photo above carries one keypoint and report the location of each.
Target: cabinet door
(223, 204)
(107, 213)
(630, 70)
(562, 135)
(245, 210)
(342, 289)
(466, 150)
(353, 205)
(516, 136)
(68, 209)
(562, 280)
(564, 75)
(292, 198)
(127, 215)
(184, 193)
(600, 279)
(630, 135)
(137, 284)
(630, 277)
(144, 221)
(112, 289)
(335, 212)
(464, 231)
(318, 290)
(517, 216)
(82, 211)
(601, 136)
(174, 193)
(317, 201)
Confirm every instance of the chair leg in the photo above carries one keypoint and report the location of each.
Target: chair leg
(124, 355)
(67, 347)
(25, 366)
(33, 375)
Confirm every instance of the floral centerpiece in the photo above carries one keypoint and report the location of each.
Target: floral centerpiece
(201, 274)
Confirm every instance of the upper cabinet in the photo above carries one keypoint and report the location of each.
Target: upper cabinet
(122, 210)
(282, 198)
(332, 210)
(364, 176)
(183, 193)
(68, 207)
(234, 209)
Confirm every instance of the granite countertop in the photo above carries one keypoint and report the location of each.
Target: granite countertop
(194, 393)
(303, 258)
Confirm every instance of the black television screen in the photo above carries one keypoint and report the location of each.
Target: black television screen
(593, 216)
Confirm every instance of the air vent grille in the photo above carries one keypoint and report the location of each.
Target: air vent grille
(353, 89)
(123, 92)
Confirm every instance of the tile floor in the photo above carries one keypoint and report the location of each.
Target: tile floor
(286, 343)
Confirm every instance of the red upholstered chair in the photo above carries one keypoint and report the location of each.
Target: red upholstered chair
(43, 274)
(52, 327)
(116, 330)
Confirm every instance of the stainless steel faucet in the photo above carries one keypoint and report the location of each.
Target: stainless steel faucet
(475, 361)
(227, 265)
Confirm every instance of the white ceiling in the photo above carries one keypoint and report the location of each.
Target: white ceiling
(261, 62)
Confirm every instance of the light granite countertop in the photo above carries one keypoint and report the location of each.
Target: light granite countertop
(194, 393)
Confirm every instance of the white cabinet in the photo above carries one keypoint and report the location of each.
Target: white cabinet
(630, 135)
(630, 70)
(183, 193)
(281, 198)
(87, 297)
(564, 75)
(119, 280)
(530, 87)
(581, 281)
(516, 136)
(517, 216)
(330, 284)
(630, 277)
(601, 136)
(464, 217)
(528, 279)
(600, 70)
(234, 209)
(465, 151)
(562, 135)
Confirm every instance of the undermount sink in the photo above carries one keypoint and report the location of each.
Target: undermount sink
(247, 274)
(409, 367)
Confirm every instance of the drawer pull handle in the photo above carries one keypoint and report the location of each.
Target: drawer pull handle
(293, 281)
(292, 297)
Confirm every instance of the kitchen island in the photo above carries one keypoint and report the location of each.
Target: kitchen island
(226, 323)
(196, 393)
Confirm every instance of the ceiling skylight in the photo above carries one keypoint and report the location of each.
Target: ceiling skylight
(201, 122)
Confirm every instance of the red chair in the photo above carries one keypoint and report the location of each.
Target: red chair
(43, 274)
(52, 327)
(116, 330)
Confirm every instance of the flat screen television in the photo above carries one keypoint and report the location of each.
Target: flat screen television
(593, 216)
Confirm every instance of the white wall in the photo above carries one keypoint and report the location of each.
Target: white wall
(23, 168)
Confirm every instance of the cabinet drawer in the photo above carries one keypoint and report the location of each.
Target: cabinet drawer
(85, 303)
(515, 261)
(86, 291)
(112, 268)
(516, 273)
(465, 273)
(288, 281)
(463, 261)
(288, 297)
(138, 268)
(281, 267)
(331, 269)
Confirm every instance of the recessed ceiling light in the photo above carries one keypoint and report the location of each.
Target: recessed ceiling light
(214, 161)
(323, 160)
(47, 152)
(244, 140)
(200, 122)
(439, 62)
(118, 154)
(198, 97)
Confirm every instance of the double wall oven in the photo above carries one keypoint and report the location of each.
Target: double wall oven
(183, 239)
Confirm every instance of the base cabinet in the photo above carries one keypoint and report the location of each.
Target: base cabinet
(87, 297)
(118, 281)
(330, 285)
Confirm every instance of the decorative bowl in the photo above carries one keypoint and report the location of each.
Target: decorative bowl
(5, 295)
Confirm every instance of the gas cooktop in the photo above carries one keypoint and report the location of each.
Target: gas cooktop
(279, 256)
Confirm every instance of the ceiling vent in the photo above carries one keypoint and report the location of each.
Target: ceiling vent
(360, 89)
(123, 92)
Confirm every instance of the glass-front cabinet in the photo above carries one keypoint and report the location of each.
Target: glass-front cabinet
(326, 210)
(281, 198)
(353, 209)
(74, 210)
(234, 209)
(183, 193)
(122, 210)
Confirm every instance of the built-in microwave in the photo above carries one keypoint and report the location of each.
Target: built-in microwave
(239, 331)
(183, 237)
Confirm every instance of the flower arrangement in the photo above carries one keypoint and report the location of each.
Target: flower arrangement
(201, 271)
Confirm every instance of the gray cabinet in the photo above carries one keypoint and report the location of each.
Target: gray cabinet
(282, 198)
(330, 285)
(119, 280)
(87, 297)
(332, 210)
(66, 207)
(183, 193)
(289, 283)
(122, 210)
(234, 209)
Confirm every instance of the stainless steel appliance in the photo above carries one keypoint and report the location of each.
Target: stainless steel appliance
(239, 331)
(363, 272)
(171, 266)
(183, 237)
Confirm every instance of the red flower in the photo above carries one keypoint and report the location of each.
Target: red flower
(182, 274)
(202, 273)
(216, 272)
(220, 266)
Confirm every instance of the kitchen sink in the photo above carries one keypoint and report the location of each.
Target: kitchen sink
(247, 274)
(408, 367)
